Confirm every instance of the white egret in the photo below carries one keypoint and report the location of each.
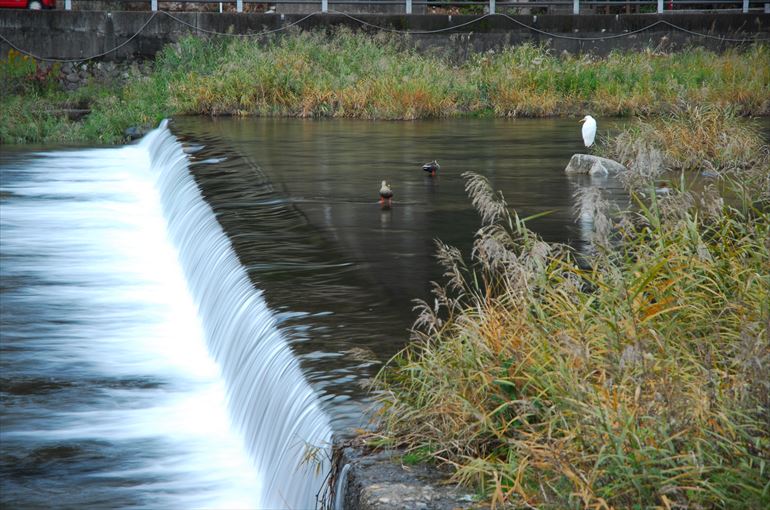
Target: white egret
(386, 194)
(589, 130)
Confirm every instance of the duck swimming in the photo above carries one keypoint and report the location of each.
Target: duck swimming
(431, 167)
(386, 194)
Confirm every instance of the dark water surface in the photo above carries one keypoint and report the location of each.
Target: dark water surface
(298, 199)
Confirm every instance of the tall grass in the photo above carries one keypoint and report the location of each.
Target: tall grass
(382, 76)
(532, 81)
(308, 74)
(638, 377)
(694, 137)
(708, 139)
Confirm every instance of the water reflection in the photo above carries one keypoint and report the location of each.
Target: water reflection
(299, 199)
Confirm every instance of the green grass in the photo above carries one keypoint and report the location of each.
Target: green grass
(636, 377)
(380, 76)
(35, 108)
(416, 456)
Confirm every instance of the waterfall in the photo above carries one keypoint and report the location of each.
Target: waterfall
(139, 367)
(109, 395)
(284, 429)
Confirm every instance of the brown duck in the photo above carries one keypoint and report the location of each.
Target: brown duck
(386, 194)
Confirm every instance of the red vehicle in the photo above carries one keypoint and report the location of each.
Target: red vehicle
(29, 4)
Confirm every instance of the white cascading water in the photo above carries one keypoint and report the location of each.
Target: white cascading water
(286, 432)
(163, 365)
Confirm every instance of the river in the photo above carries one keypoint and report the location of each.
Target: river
(298, 199)
(136, 329)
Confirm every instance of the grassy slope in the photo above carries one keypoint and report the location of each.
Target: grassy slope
(380, 77)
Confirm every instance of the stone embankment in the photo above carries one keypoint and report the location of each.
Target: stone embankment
(74, 75)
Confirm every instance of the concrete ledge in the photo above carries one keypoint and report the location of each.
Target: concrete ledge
(376, 480)
(82, 34)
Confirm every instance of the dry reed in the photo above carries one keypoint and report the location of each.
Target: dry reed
(638, 377)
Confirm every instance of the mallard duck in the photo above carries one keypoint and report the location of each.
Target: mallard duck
(431, 167)
(386, 194)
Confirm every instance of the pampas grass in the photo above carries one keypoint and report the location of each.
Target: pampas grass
(638, 377)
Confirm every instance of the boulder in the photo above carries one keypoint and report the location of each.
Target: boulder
(592, 165)
(136, 132)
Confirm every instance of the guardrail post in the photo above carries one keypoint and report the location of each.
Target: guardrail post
(154, 5)
(575, 6)
(745, 6)
(324, 5)
(491, 6)
(68, 5)
(239, 5)
(660, 6)
(409, 6)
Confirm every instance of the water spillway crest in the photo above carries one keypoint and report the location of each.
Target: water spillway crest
(139, 367)
(279, 415)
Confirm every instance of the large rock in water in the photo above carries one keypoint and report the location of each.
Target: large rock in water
(592, 165)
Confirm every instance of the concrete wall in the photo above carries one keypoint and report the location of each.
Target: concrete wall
(82, 34)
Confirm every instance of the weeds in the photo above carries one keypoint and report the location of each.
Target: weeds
(635, 378)
(710, 140)
(381, 76)
(716, 139)
(21, 74)
(354, 75)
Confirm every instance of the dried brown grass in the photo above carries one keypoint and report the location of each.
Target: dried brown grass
(637, 378)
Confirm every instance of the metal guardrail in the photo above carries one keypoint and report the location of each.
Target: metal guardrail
(491, 6)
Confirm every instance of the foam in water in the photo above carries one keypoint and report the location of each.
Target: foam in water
(132, 292)
(105, 307)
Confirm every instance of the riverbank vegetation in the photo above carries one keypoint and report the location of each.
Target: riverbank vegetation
(708, 140)
(375, 77)
(635, 375)
(692, 138)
